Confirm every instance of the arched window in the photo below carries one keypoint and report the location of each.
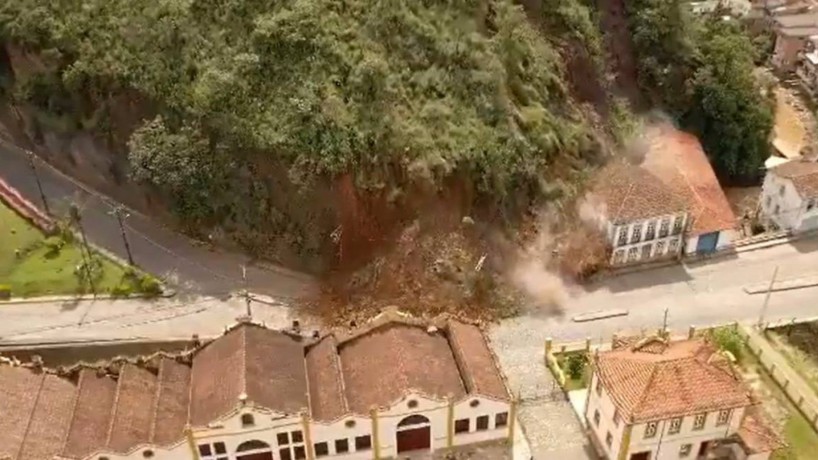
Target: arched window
(247, 420)
(413, 420)
(252, 445)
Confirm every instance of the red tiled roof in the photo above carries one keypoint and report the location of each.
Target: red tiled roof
(653, 380)
(149, 401)
(677, 159)
(630, 193)
(803, 174)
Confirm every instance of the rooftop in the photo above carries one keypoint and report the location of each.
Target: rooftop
(125, 402)
(653, 379)
(678, 160)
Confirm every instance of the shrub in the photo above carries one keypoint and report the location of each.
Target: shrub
(728, 339)
(5, 292)
(54, 245)
(82, 269)
(150, 286)
(575, 365)
(122, 290)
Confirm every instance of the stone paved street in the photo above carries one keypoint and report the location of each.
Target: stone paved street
(546, 416)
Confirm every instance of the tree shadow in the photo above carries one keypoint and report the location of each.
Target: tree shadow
(805, 245)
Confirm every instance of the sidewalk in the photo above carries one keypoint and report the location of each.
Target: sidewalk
(777, 366)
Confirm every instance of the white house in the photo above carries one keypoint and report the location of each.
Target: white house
(789, 196)
(398, 385)
(653, 399)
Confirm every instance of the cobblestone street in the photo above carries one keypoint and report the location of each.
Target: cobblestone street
(545, 415)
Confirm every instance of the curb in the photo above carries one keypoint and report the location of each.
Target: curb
(166, 294)
(784, 285)
(597, 315)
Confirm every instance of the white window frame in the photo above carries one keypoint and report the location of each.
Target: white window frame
(650, 430)
(685, 450)
(724, 417)
(664, 228)
(675, 425)
(678, 225)
(660, 248)
(213, 455)
(619, 256)
(636, 236)
(699, 421)
(650, 232)
(633, 254)
(623, 236)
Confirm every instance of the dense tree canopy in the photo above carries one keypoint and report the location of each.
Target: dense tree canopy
(426, 88)
(702, 71)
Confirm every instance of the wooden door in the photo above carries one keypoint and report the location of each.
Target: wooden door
(415, 439)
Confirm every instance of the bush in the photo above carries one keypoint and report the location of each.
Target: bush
(54, 245)
(122, 290)
(150, 286)
(728, 339)
(5, 292)
(575, 365)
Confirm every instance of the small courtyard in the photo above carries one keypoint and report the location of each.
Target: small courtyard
(34, 264)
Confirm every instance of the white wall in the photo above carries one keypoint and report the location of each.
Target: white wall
(666, 446)
(435, 411)
(605, 406)
(791, 207)
(488, 407)
(330, 432)
(614, 232)
(725, 240)
(265, 428)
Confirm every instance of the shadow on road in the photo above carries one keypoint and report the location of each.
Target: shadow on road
(805, 245)
(640, 279)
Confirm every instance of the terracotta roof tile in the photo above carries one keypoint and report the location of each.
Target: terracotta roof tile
(51, 419)
(276, 375)
(649, 382)
(477, 363)
(630, 193)
(133, 411)
(217, 378)
(382, 365)
(173, 395)
(803, 174)
(18, 394)
(677, 159)
(327, 399)
(92, 414)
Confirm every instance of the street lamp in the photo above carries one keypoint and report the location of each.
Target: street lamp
(77, 219)
(31, 165)
(121, 214)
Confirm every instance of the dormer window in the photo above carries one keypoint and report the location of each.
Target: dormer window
(247, 420)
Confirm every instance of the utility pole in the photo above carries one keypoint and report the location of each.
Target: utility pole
(767, 299)
(31, 165)
(77, 218)
(246, 292)
(664, 322)
(121, 214)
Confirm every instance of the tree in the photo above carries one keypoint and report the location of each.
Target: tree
(575, 365)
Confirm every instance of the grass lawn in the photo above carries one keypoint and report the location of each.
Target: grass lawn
(802, 440)
(37, 272)
(570, 383)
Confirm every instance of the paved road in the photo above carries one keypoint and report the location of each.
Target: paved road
(155, 248)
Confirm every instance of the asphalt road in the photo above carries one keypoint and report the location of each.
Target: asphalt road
(157, 249)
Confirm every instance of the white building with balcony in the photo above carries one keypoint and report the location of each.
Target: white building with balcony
(789, 196)
(652, 399)
(396, 387)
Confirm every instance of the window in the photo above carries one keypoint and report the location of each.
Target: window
(698, 421)
(674, 245)
(461, 426)
(685, 450)
(664, 228)
(297, 437)
(285, 454)
(482, 423)
(292, 445)
(283, 439)
(616, 419)
(596, 417)
(598, 387)
(677, 225)
(321, 449)
(646, 251)
(660, 248)
(247, 420)
(341, 446)
(637, 233)
(724, 416)
(619, 256)
(633, 254)
(501, 420)
(650, 430)
(363, 443)
(608, 439)
(215, 451)
(413, 403)
(650, 233)
(623, 236)
(675, 425)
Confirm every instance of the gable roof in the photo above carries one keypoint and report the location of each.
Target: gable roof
(630, 193)
(802, 173)
(678, 160)
(121, 404)
(657, 380)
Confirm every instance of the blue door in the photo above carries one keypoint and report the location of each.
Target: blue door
(707, 242)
